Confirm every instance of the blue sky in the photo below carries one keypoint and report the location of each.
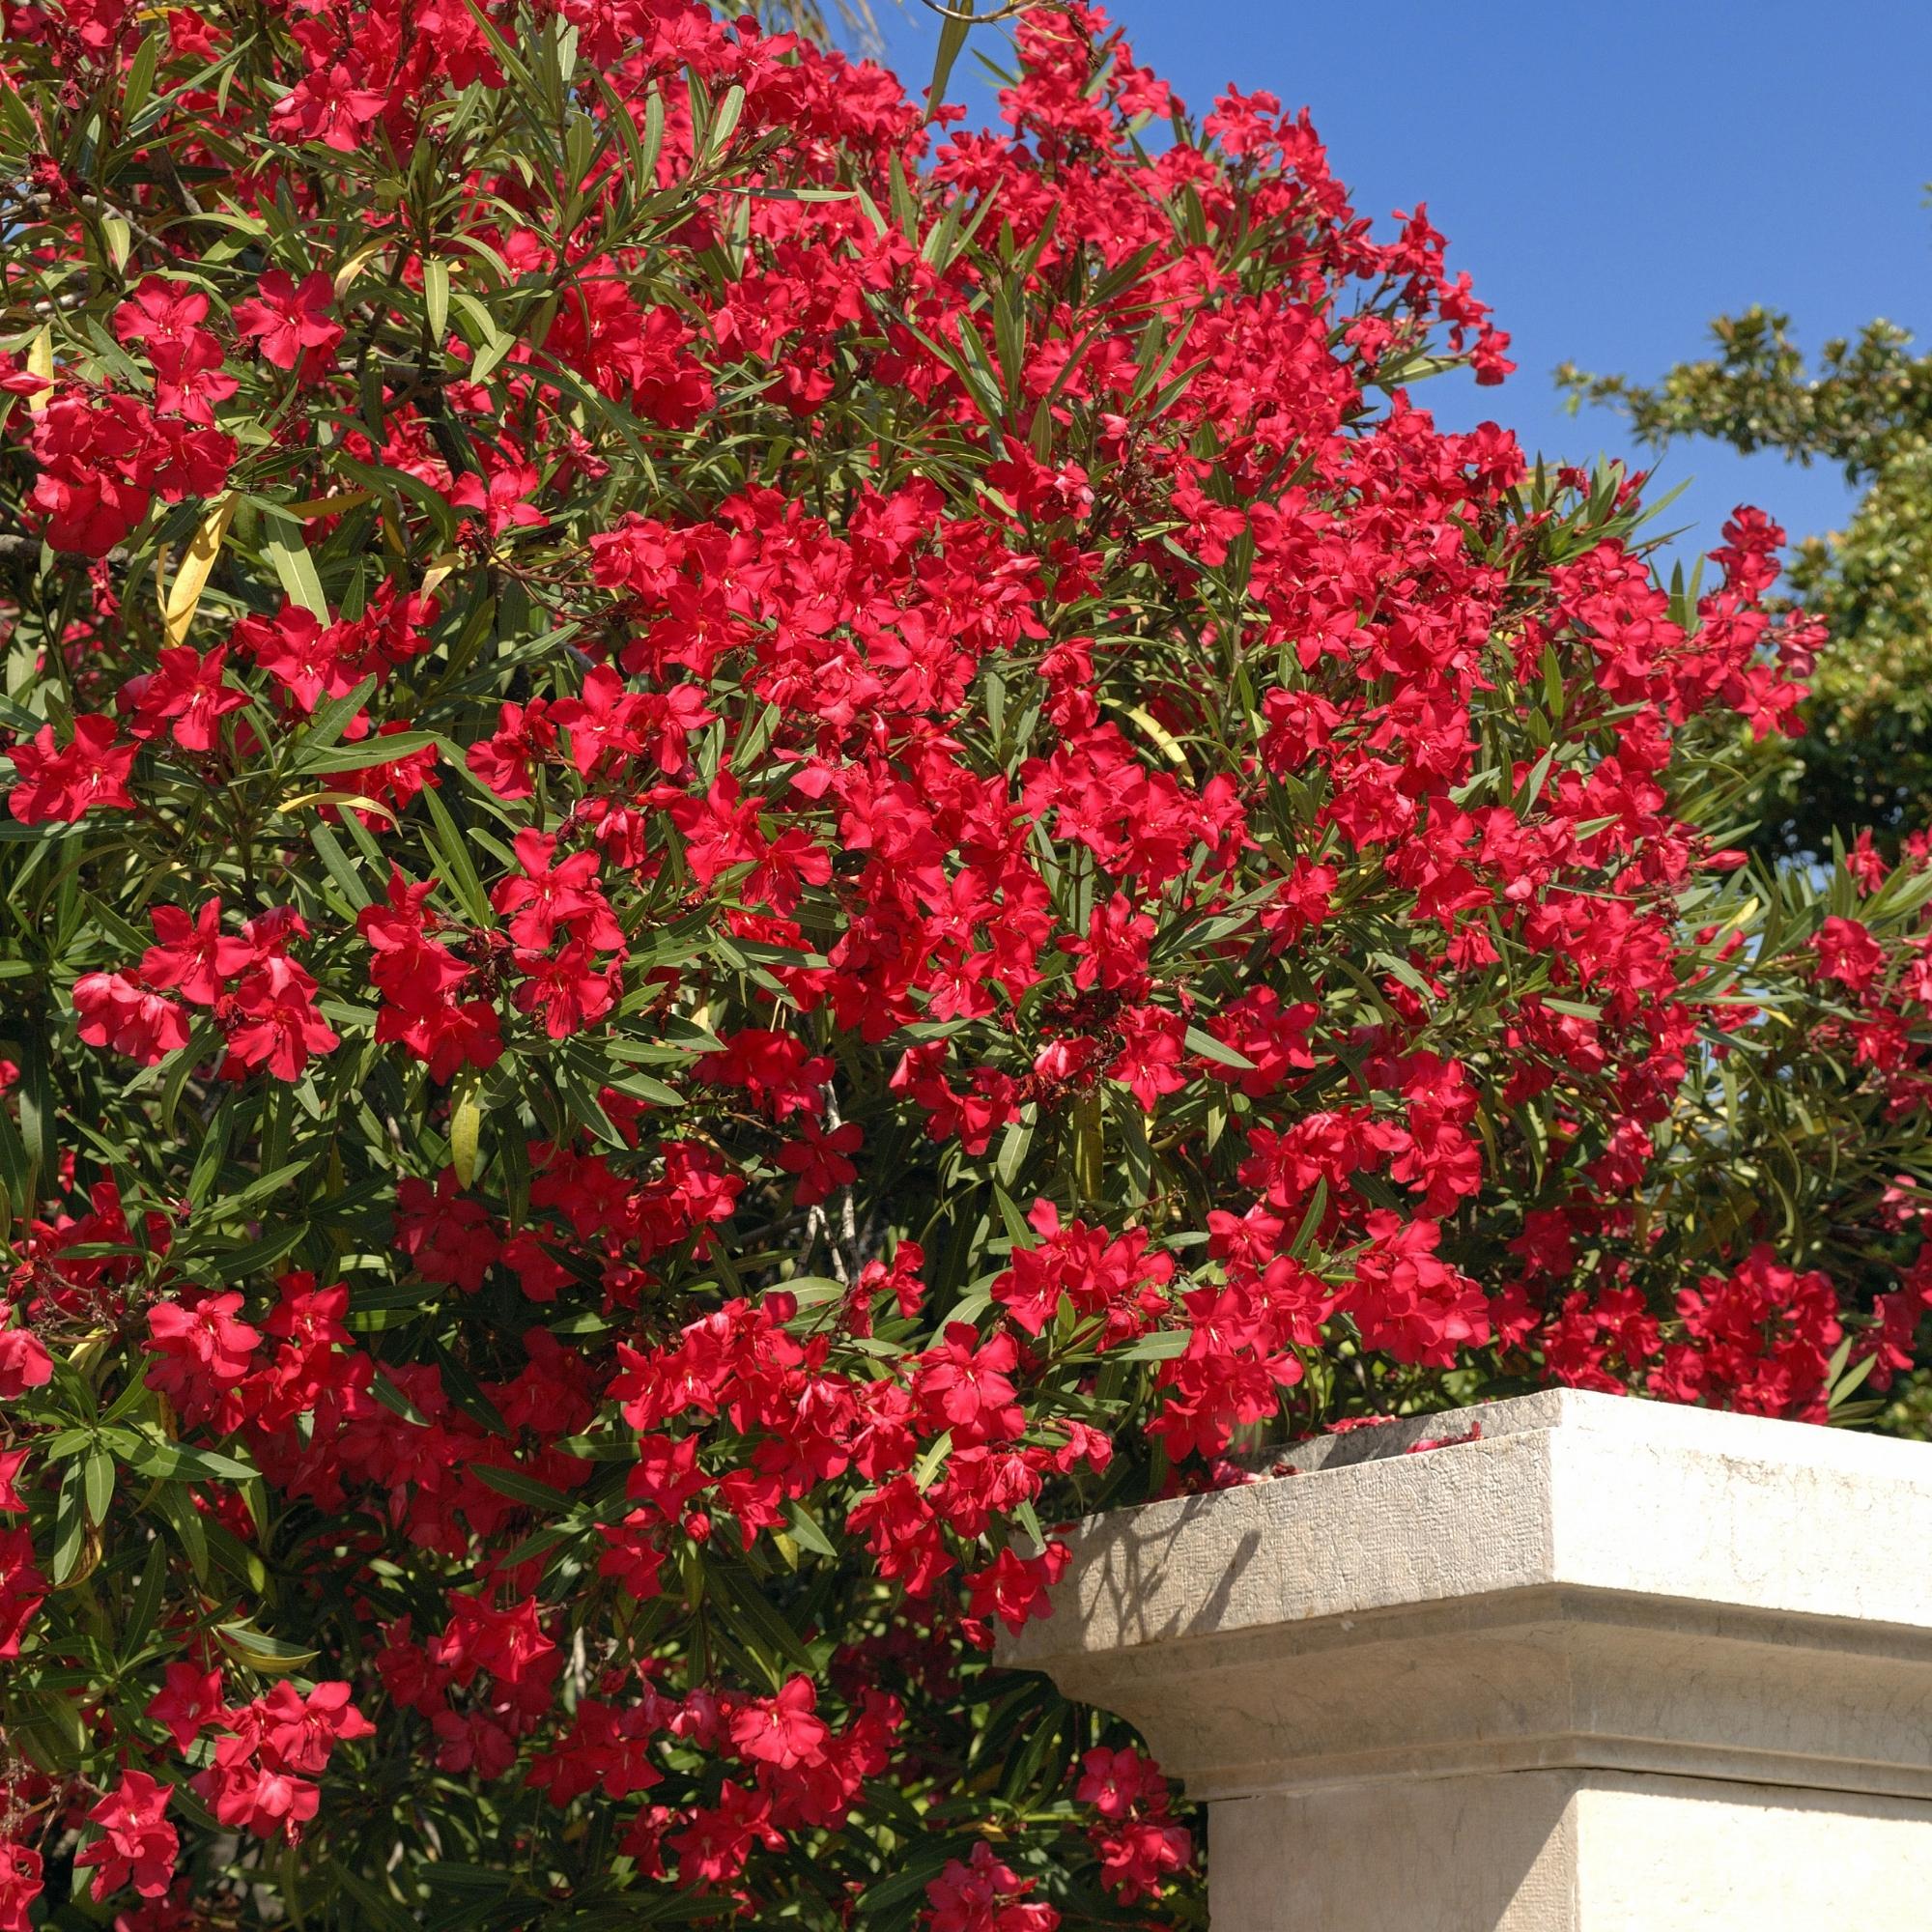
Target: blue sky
(1611, 178)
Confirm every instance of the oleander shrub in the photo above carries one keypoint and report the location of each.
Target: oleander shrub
(752, 845)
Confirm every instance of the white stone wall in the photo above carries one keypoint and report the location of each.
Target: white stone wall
(1590, 1663)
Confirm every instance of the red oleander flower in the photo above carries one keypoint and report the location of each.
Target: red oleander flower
(63, 785)
(290, 320)
(137, 1844)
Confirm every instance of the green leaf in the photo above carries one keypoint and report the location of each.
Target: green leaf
(341, 868)
(176, 1461)
(47, 1726)
(1018, 1230)
(724, 123)
(1162, 1346)
(459, 873)
(371, 751)
(391, 1916)
(330, 721)
(236, 1203)
(447, 1875)
(265, 1655)
(139, 1627)
(140, 80)
(489, 343)
(36, 1114)
(755, 1622)
(1844, 1387)
(953, 32)
(99, 1483)
(937, 1452)
(641, 1087)
(1218, 1051)
(396, 1402)
(1311, 1220)
(69, 1526)
(806, 1530)
(467, 1392)
(15, 1173)
(913, 1875)
(520, 1488)
(301, 582)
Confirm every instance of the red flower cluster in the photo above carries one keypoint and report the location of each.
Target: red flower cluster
(981, 1894)
(1139, 1843)
(262, 1000)
(271, 1750)
(103, 457)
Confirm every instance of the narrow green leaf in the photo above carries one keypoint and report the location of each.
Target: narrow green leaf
(806, 1530)
(69, 1526)
(953, 32)
(459, 873)
(266, 1655)
(520, 1488)
(301, 581)
(100, 1483)
(1218, 1051)
(174, 1461)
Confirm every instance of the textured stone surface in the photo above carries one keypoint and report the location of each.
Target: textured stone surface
(1523, 1672)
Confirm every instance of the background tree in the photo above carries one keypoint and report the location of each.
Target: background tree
(1865, 758)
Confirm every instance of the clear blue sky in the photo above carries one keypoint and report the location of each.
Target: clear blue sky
(1612, 178)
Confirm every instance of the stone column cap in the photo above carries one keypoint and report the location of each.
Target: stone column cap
(1566, 1579)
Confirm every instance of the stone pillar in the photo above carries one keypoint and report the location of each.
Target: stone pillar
(1566, 1664)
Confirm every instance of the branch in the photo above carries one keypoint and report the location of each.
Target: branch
(1010, 11)
(12, 548)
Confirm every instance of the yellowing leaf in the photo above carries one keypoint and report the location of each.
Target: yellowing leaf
(1089, 1147)
(40, 362)
(435, 298)
(342, 801)
(466, 1121)
(438, 570)
(1165, 739)
(358, 261)
(312, 507)
(183, 598)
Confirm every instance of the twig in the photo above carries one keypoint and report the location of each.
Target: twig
(1011, 11)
